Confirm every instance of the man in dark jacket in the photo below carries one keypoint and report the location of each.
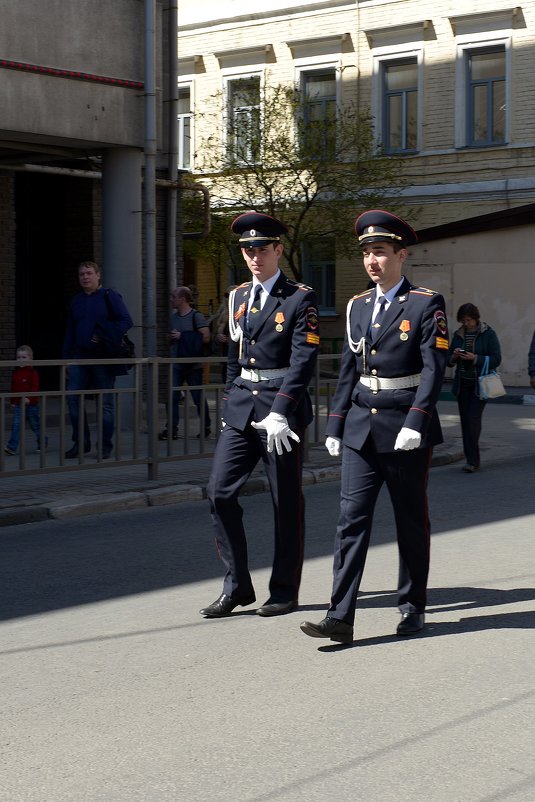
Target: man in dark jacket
(98, 320)
(272, 354)
(384, 414)
(531, 361)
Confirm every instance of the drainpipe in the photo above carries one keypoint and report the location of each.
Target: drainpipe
(149, 219)
(149, 210)
(172, 163)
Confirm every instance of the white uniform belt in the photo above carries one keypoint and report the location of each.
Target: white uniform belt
(263, 375)
(376, 383)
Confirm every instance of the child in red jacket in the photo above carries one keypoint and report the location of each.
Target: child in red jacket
(24, 379)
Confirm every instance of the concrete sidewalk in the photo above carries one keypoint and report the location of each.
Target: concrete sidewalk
(30, 498)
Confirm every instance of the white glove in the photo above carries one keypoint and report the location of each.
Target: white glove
(332, 444)
(278, 432)
(407, 439)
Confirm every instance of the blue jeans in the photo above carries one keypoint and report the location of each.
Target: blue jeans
(86, 377)
(192, 376)
(32, 416)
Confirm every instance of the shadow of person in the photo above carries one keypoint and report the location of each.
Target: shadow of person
(479, 623)
(454, 598)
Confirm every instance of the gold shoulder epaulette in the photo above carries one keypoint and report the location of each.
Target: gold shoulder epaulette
(362, 294)
(422, 291)
(245, 284)
(298, 284)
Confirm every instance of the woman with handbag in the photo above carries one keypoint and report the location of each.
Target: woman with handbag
(470, 344)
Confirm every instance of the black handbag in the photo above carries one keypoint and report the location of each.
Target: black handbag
(126, 348)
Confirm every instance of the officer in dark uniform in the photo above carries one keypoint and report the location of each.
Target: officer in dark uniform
(273, 324)
(384, 414)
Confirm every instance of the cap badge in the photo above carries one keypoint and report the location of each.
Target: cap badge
(371, 229)
(253, 232)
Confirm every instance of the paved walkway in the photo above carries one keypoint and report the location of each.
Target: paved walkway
(29, 498)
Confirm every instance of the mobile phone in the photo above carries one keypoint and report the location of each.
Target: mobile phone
(461, 350)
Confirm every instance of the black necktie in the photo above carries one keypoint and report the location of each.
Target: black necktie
(376, 325)
(255, 304)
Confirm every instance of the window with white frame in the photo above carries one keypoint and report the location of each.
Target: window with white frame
(319, 271)
(399, 80)
(184, 120)
(318, 88)
(243, 119)
(485, 70)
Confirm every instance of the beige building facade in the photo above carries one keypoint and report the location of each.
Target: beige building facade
(451, 89)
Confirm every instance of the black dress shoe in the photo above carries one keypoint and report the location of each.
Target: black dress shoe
(331, 628)
(277, 608)
(73, 452)
(410, 623)
(225, 605)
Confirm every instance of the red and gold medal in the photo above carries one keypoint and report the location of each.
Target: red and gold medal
(405, 326)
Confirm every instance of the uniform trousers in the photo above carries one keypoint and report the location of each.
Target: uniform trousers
(236, 455)
(363, 474)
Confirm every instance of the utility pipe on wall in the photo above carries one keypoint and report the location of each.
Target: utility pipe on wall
(149, 218)
(149, 207)
(172, 158)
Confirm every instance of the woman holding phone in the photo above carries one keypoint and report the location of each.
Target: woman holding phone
(470, 344)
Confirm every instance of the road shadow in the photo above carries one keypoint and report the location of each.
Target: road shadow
(57, 564)
(524, 619)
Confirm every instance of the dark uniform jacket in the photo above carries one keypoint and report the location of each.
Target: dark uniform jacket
(413, 339)
(284, 334)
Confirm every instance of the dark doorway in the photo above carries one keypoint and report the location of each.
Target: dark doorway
(55, 231)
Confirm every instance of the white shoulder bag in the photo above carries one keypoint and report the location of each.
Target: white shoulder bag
(490, 384)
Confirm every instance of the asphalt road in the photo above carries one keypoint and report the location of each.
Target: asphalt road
(113, 687)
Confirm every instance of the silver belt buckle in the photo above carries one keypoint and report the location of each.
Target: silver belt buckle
(255, 375)
(374, 384)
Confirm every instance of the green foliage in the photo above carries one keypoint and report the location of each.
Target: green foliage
(314, 172)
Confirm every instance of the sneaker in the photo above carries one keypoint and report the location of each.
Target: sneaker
(165, 436)
(10, 452)
(469, 468)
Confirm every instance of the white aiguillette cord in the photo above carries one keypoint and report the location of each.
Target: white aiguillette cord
(235, 330)
(357, 347)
